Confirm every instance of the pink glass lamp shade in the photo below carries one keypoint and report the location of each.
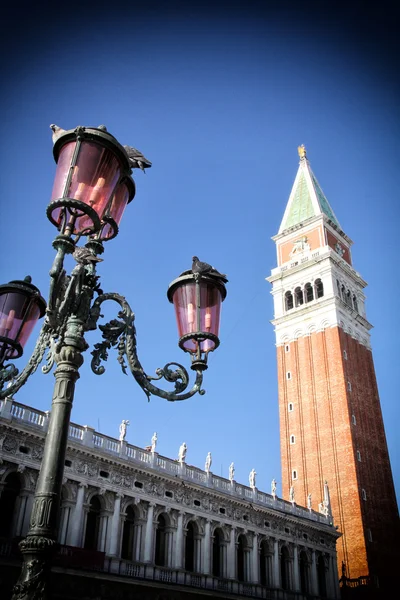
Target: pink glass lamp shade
(21, 305)
(112, 216)
(197, 305)
(91, 165)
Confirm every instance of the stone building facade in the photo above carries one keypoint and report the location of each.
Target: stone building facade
(135, 524)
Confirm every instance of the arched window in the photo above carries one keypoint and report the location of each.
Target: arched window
(355, 303)
(217, 553)
(298, 296)
(288, 301)
(241, 560)
(265, 564)
(190, 562)
(8, 504)
(93, 525)
(309, 292)
(321, 577)
(161, 538)
(304, 573)
(348, 299)
(128, 534)
(343, 293)
(319, 288)
(285, 571)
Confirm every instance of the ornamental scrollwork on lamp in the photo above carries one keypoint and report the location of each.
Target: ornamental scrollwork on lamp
(120, 333)
(71, 312)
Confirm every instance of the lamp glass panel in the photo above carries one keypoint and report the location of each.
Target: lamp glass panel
(191, 320)
(13, 309)
(60, 180)
(210, 312)
(94, 178)
(118, 205)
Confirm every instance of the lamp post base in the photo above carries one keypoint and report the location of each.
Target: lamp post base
(37, 552)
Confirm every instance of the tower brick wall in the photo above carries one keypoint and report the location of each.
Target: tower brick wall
(339, 437)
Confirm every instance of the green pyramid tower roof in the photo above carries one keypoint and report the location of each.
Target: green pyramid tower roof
(306, 199)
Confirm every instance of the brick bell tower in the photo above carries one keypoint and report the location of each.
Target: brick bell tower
(331, 426)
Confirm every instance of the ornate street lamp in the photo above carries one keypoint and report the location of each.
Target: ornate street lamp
(92, 188)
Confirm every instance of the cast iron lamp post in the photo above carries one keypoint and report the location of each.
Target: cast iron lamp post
(92, 187)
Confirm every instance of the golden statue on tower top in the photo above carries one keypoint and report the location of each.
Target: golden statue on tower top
(302, 151)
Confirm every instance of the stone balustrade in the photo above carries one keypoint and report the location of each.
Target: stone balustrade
(83, 435)
(184, 578)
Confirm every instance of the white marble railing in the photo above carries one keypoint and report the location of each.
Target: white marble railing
(195, 580)
(76, 432)
(86, 436)
(106, 443)
(303, 258)
(27, 414)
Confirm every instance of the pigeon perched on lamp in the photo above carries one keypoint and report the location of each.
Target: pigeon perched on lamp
(136, 159)
(204, 268)
(83, 256)
(57, 131)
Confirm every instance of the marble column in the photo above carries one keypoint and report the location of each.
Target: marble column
(314, 579)
(197, 554)
(335, 589)
(140, 524)
(148, 543)
(75, 535)
(65, 520)
(28, 511)
(296, 574)
(20, 512)
(276, 576)
(255, 577)
(207, 548)
(169, 544)
(224, 560)
(105, 519)
(179, 542)
(247, 565)
(232, 554)
(115, 525)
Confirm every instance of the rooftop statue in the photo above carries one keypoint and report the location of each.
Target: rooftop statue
(182, 452)
(208, 463)
(252, 478)
(122, 430)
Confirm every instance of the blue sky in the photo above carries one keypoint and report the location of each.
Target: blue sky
(218, 97)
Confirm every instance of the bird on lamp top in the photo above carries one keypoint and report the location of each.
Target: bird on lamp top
(136, 159)
(204, 268)
(57, 131)
(83, 256)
